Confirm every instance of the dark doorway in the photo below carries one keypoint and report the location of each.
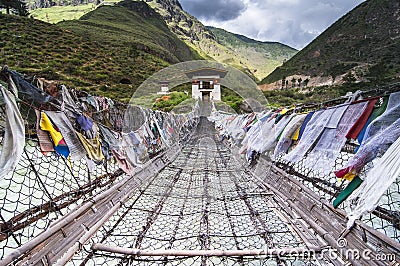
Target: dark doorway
(206, 96)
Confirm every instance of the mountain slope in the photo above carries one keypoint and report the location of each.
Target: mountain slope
(257, 63)
(111, 58)
(262, 57)
(365, 43)
(211, 44)
(131, 24)
(195, 34)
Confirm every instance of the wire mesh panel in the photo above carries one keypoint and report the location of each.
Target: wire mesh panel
(42, 189)
(47, 184)
(385, 218)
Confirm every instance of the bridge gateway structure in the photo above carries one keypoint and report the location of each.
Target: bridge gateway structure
(180, 195)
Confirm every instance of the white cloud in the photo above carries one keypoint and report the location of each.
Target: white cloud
(292, 22)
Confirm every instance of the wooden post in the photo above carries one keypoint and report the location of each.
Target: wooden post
(275, 252)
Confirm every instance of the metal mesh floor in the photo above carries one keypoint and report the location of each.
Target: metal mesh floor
(203, 200)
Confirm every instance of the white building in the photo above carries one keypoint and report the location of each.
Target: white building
(206, 83)
(164, 88)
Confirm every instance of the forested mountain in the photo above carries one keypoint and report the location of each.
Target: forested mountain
(263, 57)
(257, 60)
(109, 51)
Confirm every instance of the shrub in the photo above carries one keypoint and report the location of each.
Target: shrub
(101, 77)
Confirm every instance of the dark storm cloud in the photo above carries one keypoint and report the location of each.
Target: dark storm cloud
(214, 10)
(292, 22)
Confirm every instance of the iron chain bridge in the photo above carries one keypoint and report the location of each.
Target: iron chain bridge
(202, 187)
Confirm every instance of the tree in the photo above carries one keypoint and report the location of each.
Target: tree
(17, 7)
(293, 80)
(299, 80)
(349, 78)
(283, 82)
(306, 82)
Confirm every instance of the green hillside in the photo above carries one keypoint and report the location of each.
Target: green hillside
(56, 14)
(129, 25)
(365, 44)
(261, 57)
(110, 51)
(257, 59)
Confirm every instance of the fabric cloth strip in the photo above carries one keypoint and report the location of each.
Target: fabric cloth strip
(45, 143)
(14, 135)
(47, 125)
(380, 134)
(322, 157)
(68, 132)
(304, 125)
(123, 162)
(286, 138)
(311, 133)
(375, 114)
(84, 122)
(362, 120)
(92, 147)
(376, 183)
(345, 193)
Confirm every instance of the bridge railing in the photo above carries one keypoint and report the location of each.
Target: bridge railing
(45, 185)
(255, 138)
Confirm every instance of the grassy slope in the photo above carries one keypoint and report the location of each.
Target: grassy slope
(263, 57)
(293, 96)
(130, 24)
(35, 47)
(56, 14)
(367, 36)
(93, 58)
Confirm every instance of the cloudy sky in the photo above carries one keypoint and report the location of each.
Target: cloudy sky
(292, 22)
